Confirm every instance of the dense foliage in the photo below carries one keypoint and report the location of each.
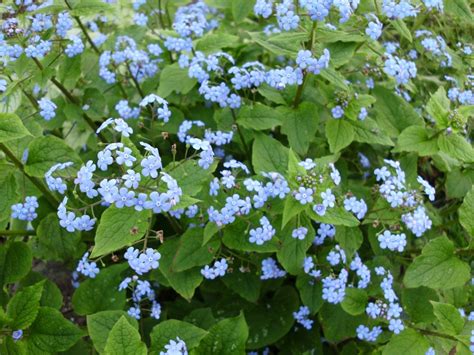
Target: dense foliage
(236, 176)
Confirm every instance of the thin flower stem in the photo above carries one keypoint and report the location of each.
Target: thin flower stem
(73, 100)
(309, 46)
(239, 131)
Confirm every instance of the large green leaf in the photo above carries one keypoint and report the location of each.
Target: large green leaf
(408, 342)
(394, 114)
(51, 332)
(11, 127)
(226, 337)
(15, 262)
(339, 133)
(269, 155)
(259, 117)
(184, 282)
(271, 320)
(55, 243)
(448, 317)
(124, 339)
(191, 252)
(172, 329)
(417, 139)
(241, 9)
(44, 152)
(100, 324)
(100, 293)
(300, 126)
(457, 147)
(118, 228)
(437, 267)
(175, 79)
(24, 306)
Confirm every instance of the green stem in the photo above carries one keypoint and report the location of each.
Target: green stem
(47, 194)
(14, 233)
(239, 131)
(84, 30)
(73, 100)
(309, 46)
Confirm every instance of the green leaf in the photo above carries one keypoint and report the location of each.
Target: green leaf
(416, 302)
(9, 194)
(402, 29)
(124, 339)
(213, 42)
(457, 147)
(118, 228)
(24, 306)
(100, 324)
(448, 317)
(226, 337)
(291, 208)
(11, 127)
(246, 284)
(459, 8)
(341, 52)
(417, 139)
(437, 267)
(12, 347)
(355, 301)
(259, 117)
(292, 252)
(335, 78)
(350, 239)
(438, 108)
(175, 79)
(339, 133)
(337, 216)
(236, 237)
(408, 342)
(51, 332)
(90, 7)
(184, 282)
(394, 114)
(54, 242)
(300, 126)
(466, 212)
(311, 292)
(191, 252)
(15, 262)
(281, 44)
(269, 155)
(337, 324)
(271, 320)
(368, 131)
(190, 176)
(171, 329)
(100, 293)
(44, 152)
(241, 9)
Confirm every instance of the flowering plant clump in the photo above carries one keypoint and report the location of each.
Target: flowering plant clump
(236, 177)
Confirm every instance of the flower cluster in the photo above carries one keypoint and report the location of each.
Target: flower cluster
(26, 211)
(219, 269)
